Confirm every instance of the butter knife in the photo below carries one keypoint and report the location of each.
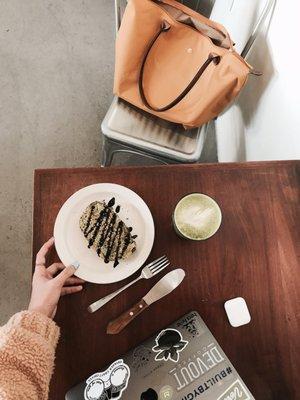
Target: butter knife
(163, 287)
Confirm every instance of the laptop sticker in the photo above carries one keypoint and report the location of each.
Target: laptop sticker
(235, 391)
(169, 343)
(109, 384)
(166, 393)
(149, 394)
(141, 357)
(191, 325)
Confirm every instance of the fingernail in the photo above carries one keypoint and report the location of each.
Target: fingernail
(76, 264)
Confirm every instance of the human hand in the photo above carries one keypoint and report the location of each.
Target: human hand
(47, 289)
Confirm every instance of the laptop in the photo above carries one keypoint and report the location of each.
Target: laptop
(181, 362)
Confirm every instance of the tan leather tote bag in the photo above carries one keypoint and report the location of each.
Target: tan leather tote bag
(175, 63)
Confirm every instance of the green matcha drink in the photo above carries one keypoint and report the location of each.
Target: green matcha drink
(197, 217)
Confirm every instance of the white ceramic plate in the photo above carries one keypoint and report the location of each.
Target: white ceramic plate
(71, 244)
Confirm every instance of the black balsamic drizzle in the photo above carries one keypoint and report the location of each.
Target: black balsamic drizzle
(109, 234)
(111, 202)
(89, 220)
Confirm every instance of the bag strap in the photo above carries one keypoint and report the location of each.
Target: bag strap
(165, 26)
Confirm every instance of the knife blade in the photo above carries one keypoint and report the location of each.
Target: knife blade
(163, 287)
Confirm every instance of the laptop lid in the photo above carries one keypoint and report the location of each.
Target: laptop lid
(181, 362)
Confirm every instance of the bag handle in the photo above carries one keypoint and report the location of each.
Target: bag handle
(165, 26)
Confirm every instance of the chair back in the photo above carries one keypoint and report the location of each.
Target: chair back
(243, 19)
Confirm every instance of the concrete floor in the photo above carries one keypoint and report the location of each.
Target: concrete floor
(56, 75)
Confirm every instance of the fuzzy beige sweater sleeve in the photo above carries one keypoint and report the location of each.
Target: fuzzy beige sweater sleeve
(27, 350)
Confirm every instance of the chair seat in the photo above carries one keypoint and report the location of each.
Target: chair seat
(133, 127)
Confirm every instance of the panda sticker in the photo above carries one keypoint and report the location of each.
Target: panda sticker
(109, 384)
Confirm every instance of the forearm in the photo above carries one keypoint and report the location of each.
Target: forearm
(27, 350)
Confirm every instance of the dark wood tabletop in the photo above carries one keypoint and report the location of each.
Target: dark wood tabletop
(253, 255)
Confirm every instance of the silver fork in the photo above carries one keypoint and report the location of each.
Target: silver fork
(148, 272)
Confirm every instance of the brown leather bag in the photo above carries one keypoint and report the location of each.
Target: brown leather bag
(175, 63)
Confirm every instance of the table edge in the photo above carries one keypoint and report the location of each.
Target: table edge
(227, 165)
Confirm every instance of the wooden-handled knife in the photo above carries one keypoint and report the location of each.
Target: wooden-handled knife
(163, 287)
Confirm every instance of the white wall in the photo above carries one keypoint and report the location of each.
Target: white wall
(271, 104)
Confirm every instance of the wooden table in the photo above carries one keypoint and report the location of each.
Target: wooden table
(253, 255)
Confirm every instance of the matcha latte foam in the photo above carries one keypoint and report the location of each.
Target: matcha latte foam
(197, 217)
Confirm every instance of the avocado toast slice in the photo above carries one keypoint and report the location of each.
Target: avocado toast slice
(106, 233)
